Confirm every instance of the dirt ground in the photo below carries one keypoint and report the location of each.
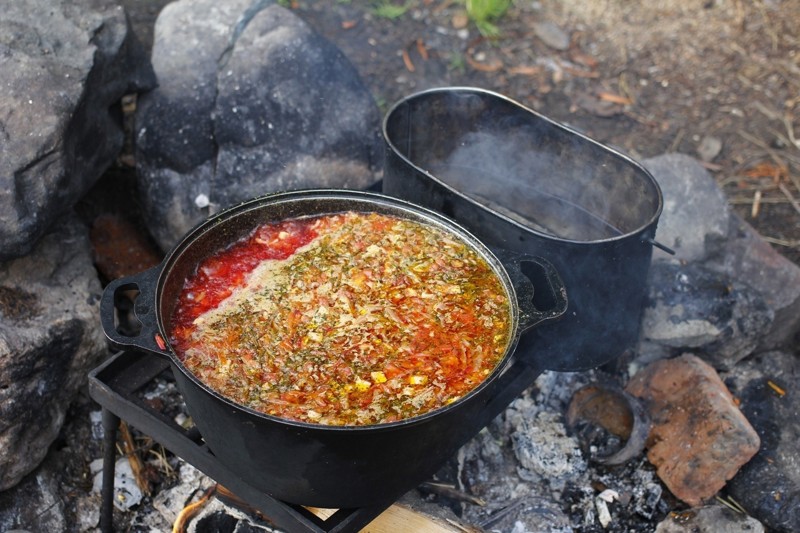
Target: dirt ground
(715, 79)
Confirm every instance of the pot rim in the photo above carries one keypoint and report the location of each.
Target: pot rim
(369, 198)
(485, 92)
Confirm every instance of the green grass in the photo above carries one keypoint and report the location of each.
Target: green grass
(484, 13)
(388, 9)
(457, 63)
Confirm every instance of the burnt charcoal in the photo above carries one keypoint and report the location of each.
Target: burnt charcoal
(648, 500)
(219, 522)
(768, 487)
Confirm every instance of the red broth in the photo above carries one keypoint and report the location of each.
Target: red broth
(345, 319)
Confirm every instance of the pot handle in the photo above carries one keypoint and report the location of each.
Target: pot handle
(541, 295)
(149, 337)
(663, 247)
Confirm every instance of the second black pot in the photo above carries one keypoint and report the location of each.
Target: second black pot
(523, 182)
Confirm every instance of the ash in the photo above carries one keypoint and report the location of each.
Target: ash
(534, 476)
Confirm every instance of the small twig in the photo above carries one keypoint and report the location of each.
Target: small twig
(768, 27)
(728, 180)
(789, 196)
(191, 510)
(161, 456)
(407, 61)
(790, 132)
(650, 123)
(624, 87)
(422, 50)
(756, 207)
(748, 200)
(524, 70)
(614, 98)
(729, 502)
(782, 242)
(713, 167)
(778, 390)
(461, 527)
(676, 141)
(450, 491)
(501, 513)
(766, 111)
(137, 467)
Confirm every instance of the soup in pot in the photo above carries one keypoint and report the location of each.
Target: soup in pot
(343, 319)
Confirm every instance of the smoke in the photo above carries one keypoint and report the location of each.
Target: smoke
(534, 171)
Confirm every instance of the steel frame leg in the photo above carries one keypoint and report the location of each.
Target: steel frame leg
(110, 426)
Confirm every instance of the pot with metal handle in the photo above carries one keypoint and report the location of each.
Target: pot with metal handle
(520, 181)
(314, 464)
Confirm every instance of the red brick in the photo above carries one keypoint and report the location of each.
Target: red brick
(699, 438)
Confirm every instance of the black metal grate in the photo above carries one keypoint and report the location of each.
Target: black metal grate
(114, 385)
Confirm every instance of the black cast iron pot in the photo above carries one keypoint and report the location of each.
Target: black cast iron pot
(317, 465)
(520, 181)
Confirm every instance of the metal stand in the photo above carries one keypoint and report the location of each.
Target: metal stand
(114, 385)
(110, 425)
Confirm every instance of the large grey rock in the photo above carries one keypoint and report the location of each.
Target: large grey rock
(250, 101)
(694, 221)
(65, 64)
(49, 340)
(690, 307)
(700, 226)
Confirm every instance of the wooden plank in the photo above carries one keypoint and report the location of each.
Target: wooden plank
(401, 518)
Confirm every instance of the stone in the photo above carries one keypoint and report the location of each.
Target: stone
(65, 66)
(34, 505)
(695, 218)
(700, 226)
(49, 340)
(768, 487)
(127, 494)
(552, 35)
(709, 518)
(709, 148)
(690, 307)
(751, 259)
(699, 438)
(251, 100)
